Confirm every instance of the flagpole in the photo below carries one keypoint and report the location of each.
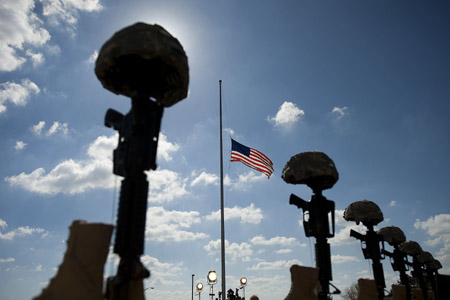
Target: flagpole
(222, 222)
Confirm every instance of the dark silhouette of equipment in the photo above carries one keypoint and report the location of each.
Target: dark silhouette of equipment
(368, 213)
(413, 249)
(316, 215)
(143, 62)
(394, 236)
(317, 171)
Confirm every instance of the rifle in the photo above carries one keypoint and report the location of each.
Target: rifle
(399, 263)
(135, 153)
(370, 245)
(316, 223)
(417, 273)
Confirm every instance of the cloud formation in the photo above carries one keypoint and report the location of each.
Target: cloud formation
(339, 112)
(72, 177)
(274, 265)
(95, 172)
(20, 29)
(340, 259)
(56, 127)
(171, 226)
(166, 186)
(205, 179)
(162, 270)
(18, 232)
(7, 260)
(20, 145)
(22, 32)
(93, 57)
(233, 251)
(165, 148)
(15, 93)
(249, 214)
(278, 241)
(287, 115)
(438, 229)
(244, 181)
(66, 11)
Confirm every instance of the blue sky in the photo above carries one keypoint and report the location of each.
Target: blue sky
(366, 82)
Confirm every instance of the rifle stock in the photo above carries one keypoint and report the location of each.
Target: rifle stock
(299, 202)
(357, 235)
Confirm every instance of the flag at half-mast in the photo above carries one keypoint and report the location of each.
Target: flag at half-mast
(251, 158)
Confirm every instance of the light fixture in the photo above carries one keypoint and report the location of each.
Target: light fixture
(243, 281)
(199, 286)
(212, 277)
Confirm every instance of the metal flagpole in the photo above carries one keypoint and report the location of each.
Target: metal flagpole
(222, 222)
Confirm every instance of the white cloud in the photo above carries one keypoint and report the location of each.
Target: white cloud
(339, 112)
(283, 251)
(278, 240)
(274, 265)
(36, 58)
(165, 148)
(233, 251)
(393, 203)
(93, 57)
(287, 115)
(73, 177)
(229, 131)
(7, 260)
(66, 11)
(166, 186)
(438, 228)
(19, 28)
(3, 224)
(160, 270)
(171, 226)
(342, 237)
(205, 179)
(20, 145)
(94, 172)
(245, 181)
(38, 127)
(340, 259)
(53, 49)
(57, 127)
(15, 93)
(249, 214)
(19, 232)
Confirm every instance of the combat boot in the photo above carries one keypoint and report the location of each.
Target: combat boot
(367, 289)
(80, 276)
(304, 283)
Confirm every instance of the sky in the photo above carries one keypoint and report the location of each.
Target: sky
(366, 82)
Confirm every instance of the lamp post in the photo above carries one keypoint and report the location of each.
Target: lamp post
(212, 280)
(199, 288)
(192, 286)
(243, 282)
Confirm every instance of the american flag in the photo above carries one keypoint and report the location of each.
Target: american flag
(251, 158)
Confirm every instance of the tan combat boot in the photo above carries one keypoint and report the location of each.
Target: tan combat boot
(398, 292)
(304, 283)
(367, 289)
(80, 276)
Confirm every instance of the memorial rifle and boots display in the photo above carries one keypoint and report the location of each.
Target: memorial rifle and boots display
(394, 236)
(413, 249)
(369, 214)
(318, 172)
(143, 62)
